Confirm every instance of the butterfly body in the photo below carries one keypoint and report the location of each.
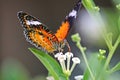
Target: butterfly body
(40, 36)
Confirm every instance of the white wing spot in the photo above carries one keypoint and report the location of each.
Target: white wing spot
(73, 13)
(33, 23)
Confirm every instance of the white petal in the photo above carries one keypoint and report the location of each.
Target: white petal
(79, 77)
(69, 54)
(62, 58)
(76, 60)
(58, 54)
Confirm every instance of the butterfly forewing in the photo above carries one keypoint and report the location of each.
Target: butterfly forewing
(37, 34)
(67, 23)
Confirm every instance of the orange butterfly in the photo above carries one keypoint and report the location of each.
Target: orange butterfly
(40, 36)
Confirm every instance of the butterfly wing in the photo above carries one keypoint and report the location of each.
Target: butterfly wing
(67, 23)
(37, 33)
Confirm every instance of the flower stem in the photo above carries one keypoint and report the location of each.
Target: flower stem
(68, 63)
(73, 66)
(112, 52)
(62, 63)
(107, 39)
(85, 58)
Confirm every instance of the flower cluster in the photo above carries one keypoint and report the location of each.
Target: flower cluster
(101, 54)
(67, 57)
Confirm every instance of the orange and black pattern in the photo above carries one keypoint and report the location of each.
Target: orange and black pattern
(40, 36)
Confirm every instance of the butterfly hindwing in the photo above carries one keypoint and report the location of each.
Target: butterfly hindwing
(36, 33)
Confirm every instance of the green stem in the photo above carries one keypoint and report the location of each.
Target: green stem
(88, 4)
(107, 41)
(73, 66)
(115, 68)
(112, 52)
(85, 58)
(67, 77)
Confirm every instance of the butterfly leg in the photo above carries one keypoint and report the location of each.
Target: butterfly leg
(60, 48)
(62, 45)
(67, 44)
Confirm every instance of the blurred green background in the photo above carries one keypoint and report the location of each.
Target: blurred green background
(14, 47)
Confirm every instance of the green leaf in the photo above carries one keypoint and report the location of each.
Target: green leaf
(51, 64)
(13, 70)
(115, 68)
(119, 23)
(86, 75)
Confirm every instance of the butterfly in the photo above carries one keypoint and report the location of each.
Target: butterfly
(40, 36)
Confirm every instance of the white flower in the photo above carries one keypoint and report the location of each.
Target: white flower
(66, 67)
(58, 54)
(79, 77)
(75, 60)
(62, 58)
(69, 54)
(50, 78)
